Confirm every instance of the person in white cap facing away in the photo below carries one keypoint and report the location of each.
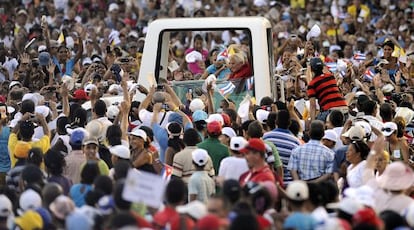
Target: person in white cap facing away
(234, 166)
(329, 139)
(226, 134)
(398, 149)
(200, 186)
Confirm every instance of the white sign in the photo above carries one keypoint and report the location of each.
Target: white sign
(143, 187)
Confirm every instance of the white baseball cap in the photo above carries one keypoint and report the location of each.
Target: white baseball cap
(389, 128)
(196, 104)
(215, 117)
(120, 151)
(228, 132)
(30, 199)
(112, 111)
(200, 157)
(262, 115)
(139, 133)
(6, 207)
(330, 135)
(297, 190)
(238, 143)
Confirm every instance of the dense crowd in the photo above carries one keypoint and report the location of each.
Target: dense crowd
(79, 149)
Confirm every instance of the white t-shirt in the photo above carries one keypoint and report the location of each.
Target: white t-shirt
(146, 117)
(355, 174)
(232, 167)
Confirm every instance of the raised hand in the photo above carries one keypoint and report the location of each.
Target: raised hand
(24, 58)
(51, 68)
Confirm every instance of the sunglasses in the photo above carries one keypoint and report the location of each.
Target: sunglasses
(387, 130)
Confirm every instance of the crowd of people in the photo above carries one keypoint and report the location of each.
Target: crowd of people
(335, 151)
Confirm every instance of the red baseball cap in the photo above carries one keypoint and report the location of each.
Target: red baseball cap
(254, 144)
(226, 119)
(214, 127)
(80, 94)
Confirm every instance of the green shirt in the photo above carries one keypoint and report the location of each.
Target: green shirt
(278, 162)
(216, 150)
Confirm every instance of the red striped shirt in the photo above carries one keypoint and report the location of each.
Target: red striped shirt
(325, 89)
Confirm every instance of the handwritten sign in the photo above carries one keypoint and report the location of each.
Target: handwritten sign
(143, 187)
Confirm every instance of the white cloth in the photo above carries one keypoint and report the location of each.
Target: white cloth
(374, 122)
(338, 131)
(232, 167)
(355, 174)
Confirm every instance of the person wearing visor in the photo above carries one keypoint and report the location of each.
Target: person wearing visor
(397, 147)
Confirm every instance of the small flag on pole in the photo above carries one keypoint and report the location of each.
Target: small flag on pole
(227, 89)
(332, 66)
(166, 175)
(250, 83)
(61, 38)
(369, 74)
(360, 57)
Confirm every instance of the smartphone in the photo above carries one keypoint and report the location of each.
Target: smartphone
(165, 107)
(190, 91)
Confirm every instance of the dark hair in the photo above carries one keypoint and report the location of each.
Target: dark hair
(388, 43)
(191, 137)
(35, 156)
(32, 174)
(244, 222)
(266, 101)
(27, 106)
(245, 125)
(174, 131)
(121, 168)
(100, 108)
(271, 120)
(122, 219)
(330, 191)
(316, 194)
(89, 172)
(120, 202)
(255, 130)
(148, 131)
(392, 220)
(261, 200)
(336, 117)
(369, 107)
(54, 161)
(79, 117)
(362, 148)
(61, 123)
(104, 184)
(113, 135)
(26, 130)
(294, 127)
(198, 37)
(176, 191)
(317, 130)
(283, 119)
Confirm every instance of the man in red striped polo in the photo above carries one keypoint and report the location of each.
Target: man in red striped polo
(324, 88)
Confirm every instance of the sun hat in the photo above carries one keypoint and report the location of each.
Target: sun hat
(389, 128)
(297, 190)
(196, 209)
(254, 144)
(238, 143)
(396, 177)
(330, 135)
(120, 151)
(30, 199)
(200, 157)
(229, 132)
(29, 220)
(61, 207)
(95, 129)
(355, 133)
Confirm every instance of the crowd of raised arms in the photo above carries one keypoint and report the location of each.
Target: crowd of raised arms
(84, 146)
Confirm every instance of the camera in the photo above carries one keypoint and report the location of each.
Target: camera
(160, 88)
(165, 107)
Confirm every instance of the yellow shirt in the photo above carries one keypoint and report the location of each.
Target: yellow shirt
(43, 144)
(364, 12)
(103, 167)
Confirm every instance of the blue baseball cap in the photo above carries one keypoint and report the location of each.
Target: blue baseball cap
(199, 115)
(77, 136)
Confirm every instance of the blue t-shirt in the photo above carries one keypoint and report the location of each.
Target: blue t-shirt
(78, 193)
(68, 66)
(212, 69)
